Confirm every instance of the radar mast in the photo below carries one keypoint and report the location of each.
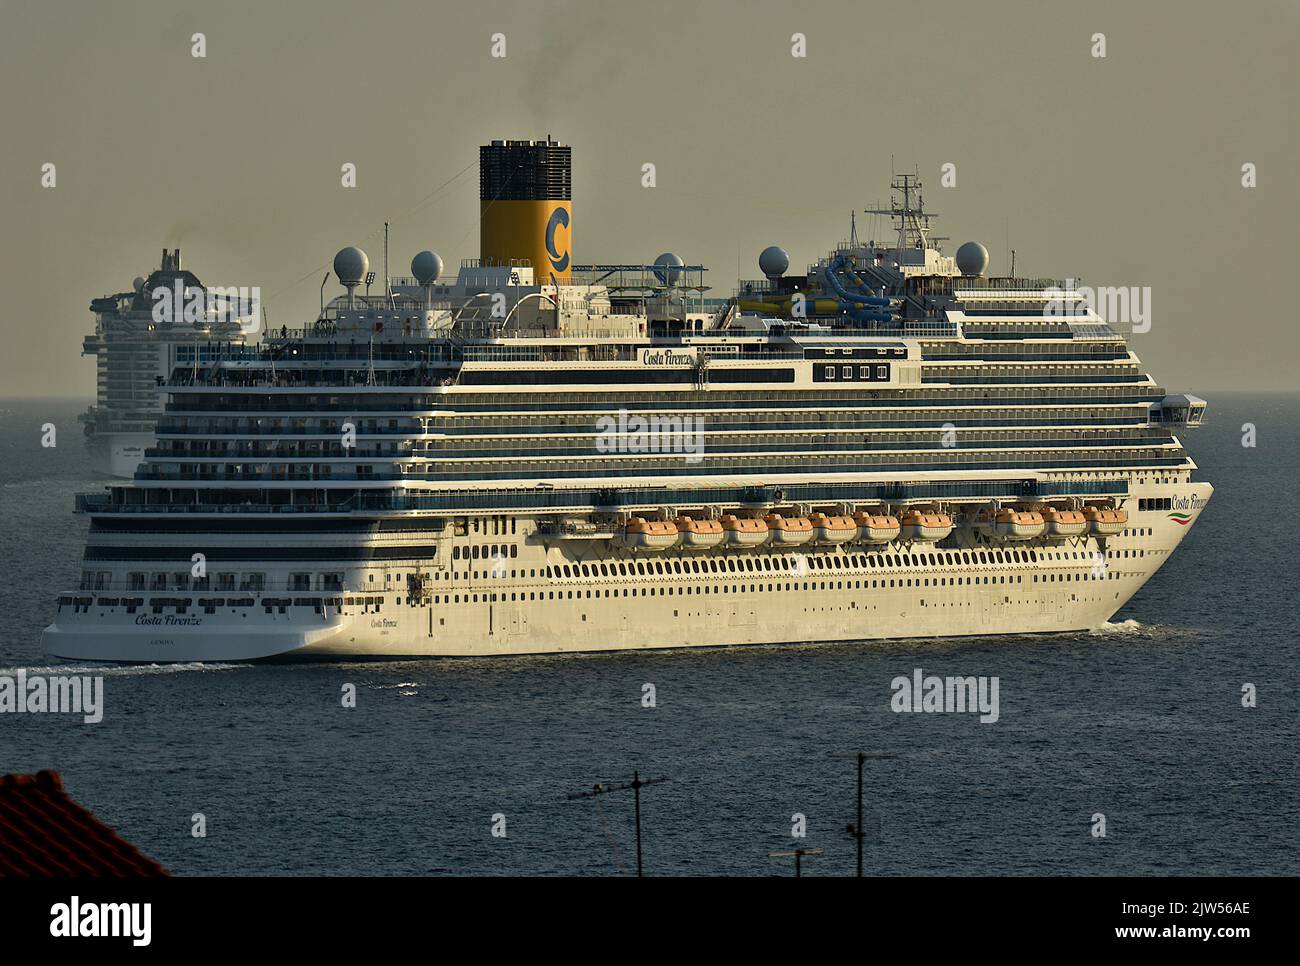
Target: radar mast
(911, 220)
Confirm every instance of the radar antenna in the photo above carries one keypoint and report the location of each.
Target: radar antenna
(912, 221)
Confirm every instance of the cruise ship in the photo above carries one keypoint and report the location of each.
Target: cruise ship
(135, 351)
(550, 457)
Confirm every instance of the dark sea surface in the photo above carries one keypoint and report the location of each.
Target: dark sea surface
(1142, 723)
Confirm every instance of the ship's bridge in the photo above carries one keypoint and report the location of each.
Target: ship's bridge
(1179, 409)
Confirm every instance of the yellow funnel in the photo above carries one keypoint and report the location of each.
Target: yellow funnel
(525, 207)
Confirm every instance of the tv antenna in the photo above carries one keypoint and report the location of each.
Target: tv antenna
(855, 829)
(636, 784)
(322, 295)
(798, 858)
(388, 288)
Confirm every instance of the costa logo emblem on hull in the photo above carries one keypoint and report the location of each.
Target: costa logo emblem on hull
(559, 219)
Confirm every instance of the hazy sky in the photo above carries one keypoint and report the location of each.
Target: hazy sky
(1118, 171)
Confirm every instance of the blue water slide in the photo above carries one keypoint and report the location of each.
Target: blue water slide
(856, 304)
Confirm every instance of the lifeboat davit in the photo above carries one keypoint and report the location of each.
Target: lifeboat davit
(642, 534)
(1103, 522)
(925, 527)
(699, 534)
(832, 530)
(789, 531)
(877, 528)
(1064, 523)
(1012, 525)
(744, 531)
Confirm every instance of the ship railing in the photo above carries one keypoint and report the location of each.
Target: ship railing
(870, 462)
(383, 379)
(581, 439)
(826, 328)
(125, 586)
(578, 499)
(338, 452)
(931, 378)
(238, 406)
(438, 430)
(474, 329)
(1094, 331)
(172, 429)
(983, 285)
(976, 330)
(1115, 395)
(755, 286)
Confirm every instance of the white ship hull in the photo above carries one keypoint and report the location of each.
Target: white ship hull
(1074, 587)
(415, 474)
(118, 454)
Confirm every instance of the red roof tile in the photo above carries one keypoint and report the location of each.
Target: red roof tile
(43, 832)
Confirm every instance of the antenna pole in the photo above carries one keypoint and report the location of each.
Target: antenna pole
(636, 791)
(858, 827)
(902, 221)
(387, 289)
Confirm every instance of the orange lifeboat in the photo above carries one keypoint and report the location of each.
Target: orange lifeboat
(642, 534)
(789, 531)
(744, 531)
(924, 526)
(1103, 522)
(699, 534)
(1011, 525)
(832, 530)
(877, 528)
(1062, 524)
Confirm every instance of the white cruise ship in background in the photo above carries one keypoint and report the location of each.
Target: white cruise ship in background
(134, 355)
(547, 457)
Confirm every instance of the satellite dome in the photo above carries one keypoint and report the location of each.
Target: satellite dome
(972, 259)
(426, 267)
(668, 268)
(351, 265)
(773, 261)
(138, 284)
